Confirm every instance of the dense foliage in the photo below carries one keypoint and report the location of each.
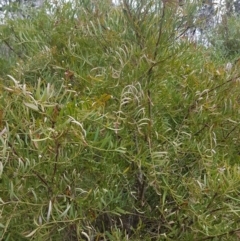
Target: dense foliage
(112, 128)
(225, 38)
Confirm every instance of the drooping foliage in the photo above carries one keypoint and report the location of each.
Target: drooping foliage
(113, 128)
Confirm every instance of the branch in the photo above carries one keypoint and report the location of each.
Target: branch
(131, 19)
(8, 45)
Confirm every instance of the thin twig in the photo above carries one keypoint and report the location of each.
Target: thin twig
(56, 160)
(10, 47)
(42, 180)
(135, 27)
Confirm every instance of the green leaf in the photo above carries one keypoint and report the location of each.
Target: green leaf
(31, 106)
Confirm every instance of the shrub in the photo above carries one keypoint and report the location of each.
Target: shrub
(111, 130)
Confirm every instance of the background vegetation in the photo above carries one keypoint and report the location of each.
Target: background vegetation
(114, 127)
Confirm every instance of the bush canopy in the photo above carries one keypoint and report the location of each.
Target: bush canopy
(113, 127)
